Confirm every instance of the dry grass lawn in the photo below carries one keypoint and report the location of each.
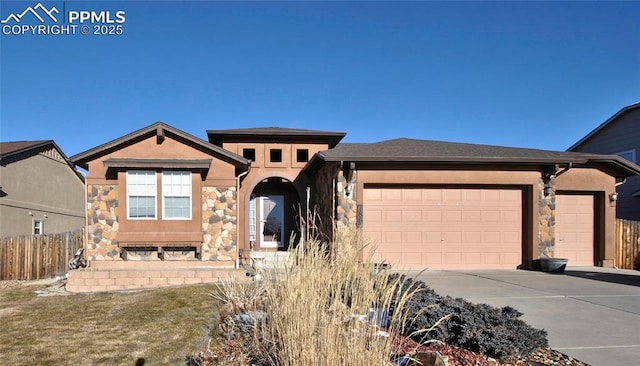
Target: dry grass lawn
(153, 327)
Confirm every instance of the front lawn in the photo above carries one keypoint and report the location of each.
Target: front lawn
(155, 327)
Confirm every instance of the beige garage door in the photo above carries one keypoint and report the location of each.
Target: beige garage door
(574, 229)
(417, 228)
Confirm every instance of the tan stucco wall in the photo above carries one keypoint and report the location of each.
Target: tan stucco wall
(262, 169)
(208, 197)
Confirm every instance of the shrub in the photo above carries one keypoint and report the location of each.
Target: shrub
(312, 313)
(496, 332)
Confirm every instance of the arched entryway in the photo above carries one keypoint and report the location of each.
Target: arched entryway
(274, 206)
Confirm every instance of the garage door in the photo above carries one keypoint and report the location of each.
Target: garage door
(417, 228)
(574, 229)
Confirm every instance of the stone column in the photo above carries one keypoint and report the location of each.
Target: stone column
(547, 217)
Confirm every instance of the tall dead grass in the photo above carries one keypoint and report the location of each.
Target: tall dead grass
(322, 310)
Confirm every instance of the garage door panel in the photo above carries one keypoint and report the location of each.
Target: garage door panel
(473, 237)
(392, 195)
(473, 195)
(433, 216)
(453, 216)
(452, 195)
(392, 236)
(411, 195)
(412, 259)
(410, 216)
(472, 216)
(491, 216)
(492, 258)
(472, 258)
(373, 216)
(431, 237)
(450, 228)
(412, 237)
(452, 258)
(392, 216)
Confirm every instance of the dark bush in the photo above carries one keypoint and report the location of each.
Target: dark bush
(496, 332)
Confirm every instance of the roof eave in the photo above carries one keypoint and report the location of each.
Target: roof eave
(83, 158)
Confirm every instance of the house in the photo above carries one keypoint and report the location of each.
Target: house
(160, 194)
(40, 191)
(619, 135)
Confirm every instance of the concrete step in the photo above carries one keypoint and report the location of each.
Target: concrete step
(271, 260)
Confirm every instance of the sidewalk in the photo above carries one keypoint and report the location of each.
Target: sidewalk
(590, 313)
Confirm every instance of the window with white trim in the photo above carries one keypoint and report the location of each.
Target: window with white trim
(176, 195)
(141, 194)
(38, 227)
(629, 155)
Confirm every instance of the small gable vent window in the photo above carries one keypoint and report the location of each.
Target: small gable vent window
(249, 154)
(629, 155)
(302, 155)
(275, 155)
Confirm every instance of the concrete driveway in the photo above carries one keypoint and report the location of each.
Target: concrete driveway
(590, 313)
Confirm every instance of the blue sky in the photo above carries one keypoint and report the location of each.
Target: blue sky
(527, 74)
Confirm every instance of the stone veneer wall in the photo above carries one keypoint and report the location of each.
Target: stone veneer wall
(102, 225)
(546, 220)
(322, 200)
(347, 206)
(219, 223)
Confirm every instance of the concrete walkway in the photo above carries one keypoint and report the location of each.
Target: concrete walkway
(590, 313)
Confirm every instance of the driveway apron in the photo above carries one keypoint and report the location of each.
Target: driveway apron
(590, 313)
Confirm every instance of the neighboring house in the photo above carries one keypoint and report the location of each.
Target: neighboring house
(40, 191)
(619, 135)
(160, 193)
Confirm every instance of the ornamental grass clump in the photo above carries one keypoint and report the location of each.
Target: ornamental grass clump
(327, 308)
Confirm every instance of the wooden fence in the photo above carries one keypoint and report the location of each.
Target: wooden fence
(38, 256)
(627, 243)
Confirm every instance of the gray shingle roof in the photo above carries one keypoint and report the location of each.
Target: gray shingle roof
(13, 147)
(429, 150)
(426, 151)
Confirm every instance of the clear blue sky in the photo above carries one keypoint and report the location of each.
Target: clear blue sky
(526, 74)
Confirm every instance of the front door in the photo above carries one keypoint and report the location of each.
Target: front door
(271, 221)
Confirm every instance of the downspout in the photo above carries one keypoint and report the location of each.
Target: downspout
(86, 216)
(240, 176)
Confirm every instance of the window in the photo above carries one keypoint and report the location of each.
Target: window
(252, 218)
(249, 154)
(302, 155)
(629, 155)
(176, 195)
(276, 155)
(141, 195)
(38, 227)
